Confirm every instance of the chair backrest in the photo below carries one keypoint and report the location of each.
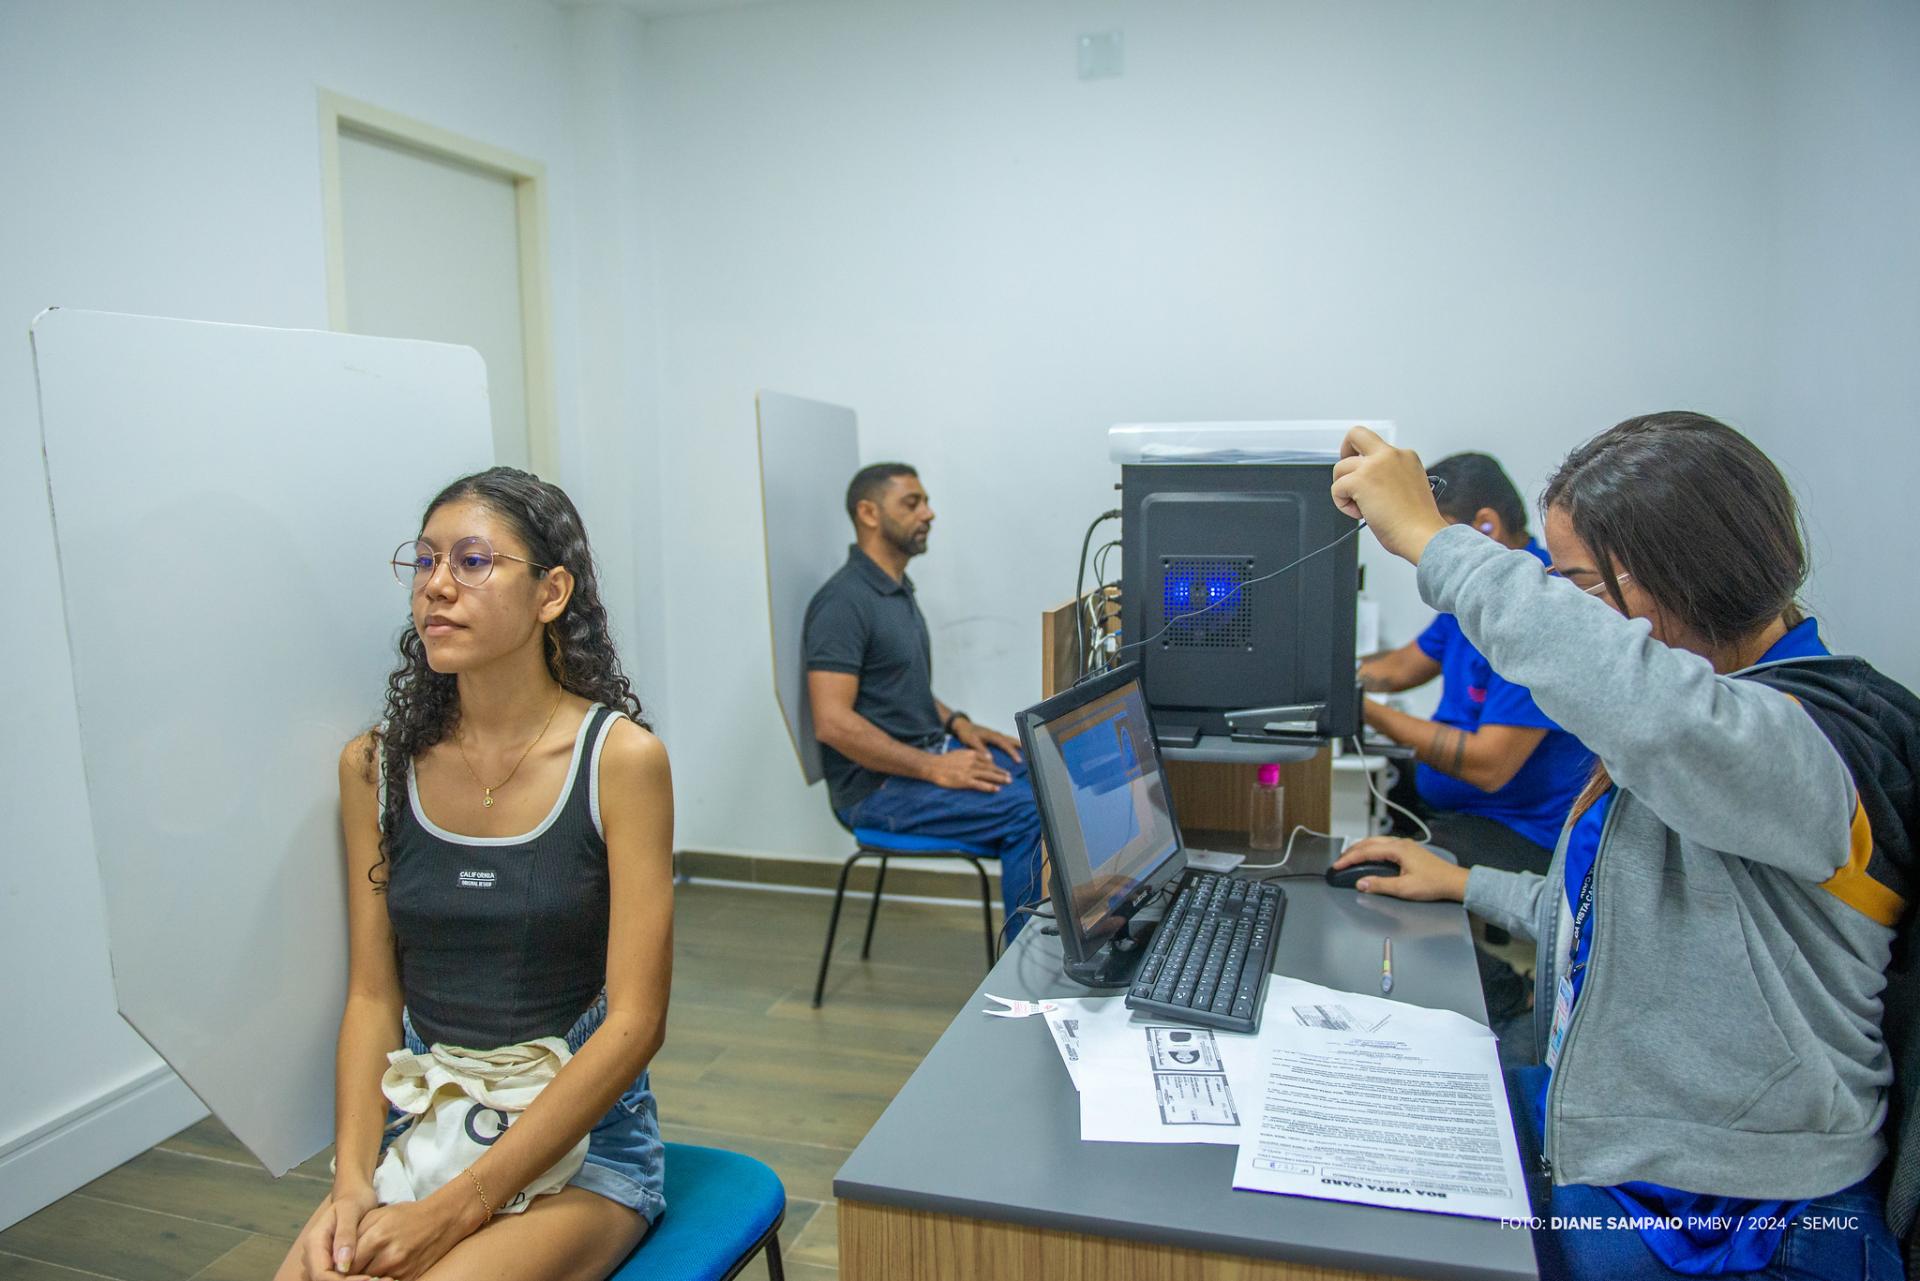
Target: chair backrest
(808, 452)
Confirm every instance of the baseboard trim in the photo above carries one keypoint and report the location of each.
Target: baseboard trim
(49, 1161)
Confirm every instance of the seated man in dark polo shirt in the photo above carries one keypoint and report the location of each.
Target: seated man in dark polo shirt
(896, 757)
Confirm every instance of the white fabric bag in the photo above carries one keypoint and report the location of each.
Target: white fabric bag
(460, 1102)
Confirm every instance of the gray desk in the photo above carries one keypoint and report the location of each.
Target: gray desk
(986, 1134)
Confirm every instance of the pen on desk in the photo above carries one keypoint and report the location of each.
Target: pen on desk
(1386, 967)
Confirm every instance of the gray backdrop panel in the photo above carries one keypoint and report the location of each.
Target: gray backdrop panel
(808, 452)
(226, 500)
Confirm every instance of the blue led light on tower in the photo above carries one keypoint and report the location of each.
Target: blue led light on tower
(1202, 603)
(1185, 591)
(1178, 596)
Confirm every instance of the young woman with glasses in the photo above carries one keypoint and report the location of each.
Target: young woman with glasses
(1715, 930)
(508, 831)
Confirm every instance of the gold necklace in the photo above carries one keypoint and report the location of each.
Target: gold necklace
(488, 802)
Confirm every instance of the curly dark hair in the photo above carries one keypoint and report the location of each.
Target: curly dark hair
(423, 706)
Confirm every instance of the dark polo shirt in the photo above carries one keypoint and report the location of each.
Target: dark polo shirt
(865, 624)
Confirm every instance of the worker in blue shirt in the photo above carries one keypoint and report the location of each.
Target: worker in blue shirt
(1496, 776)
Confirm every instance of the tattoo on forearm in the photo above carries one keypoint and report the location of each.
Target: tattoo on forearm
(1447, 749)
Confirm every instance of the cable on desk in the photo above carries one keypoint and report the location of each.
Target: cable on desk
(1287, 853)
(1426, 833)
(1025, 909)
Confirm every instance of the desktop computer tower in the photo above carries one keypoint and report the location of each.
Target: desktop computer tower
(1192, 535)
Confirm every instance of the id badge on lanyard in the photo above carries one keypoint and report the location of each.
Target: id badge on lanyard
(1563, 990)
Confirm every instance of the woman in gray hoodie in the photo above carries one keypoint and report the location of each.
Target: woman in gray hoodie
(1715, 928)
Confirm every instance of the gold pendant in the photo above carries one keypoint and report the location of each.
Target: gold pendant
(489, 801)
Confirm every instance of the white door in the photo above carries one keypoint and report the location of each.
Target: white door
(431, 249)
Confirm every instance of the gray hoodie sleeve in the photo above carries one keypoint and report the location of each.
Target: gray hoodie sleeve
(1510, 900)
(1732, 765)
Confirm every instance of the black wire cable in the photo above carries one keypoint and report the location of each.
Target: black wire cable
(1166, 891)
(1237, 587)
(1025, 909)
(1079, 590)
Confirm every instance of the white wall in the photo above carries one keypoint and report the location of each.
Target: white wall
(1506, 225)
(618, 488)
(165, 159)
(1846, 334)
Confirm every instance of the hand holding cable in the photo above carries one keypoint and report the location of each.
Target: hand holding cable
(1388, 489)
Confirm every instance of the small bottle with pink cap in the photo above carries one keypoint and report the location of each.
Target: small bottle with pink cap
(1266, 825)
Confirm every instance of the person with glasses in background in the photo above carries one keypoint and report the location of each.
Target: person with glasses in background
(1720, 923)
(1495, 776)
(509, 828)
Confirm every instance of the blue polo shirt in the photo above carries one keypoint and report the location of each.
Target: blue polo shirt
(1695, 1248)
(1535, 801)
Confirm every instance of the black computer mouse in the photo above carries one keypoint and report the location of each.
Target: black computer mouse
(1345, 878)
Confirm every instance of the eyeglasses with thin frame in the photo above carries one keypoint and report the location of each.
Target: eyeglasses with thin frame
(470, 561)
(1594, 590)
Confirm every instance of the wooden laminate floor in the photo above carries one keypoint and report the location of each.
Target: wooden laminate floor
(748, 1066)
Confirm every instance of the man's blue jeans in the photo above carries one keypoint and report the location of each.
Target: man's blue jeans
(1816, 1246)
(1006, 821)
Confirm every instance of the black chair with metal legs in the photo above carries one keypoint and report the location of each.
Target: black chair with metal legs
(874, 843)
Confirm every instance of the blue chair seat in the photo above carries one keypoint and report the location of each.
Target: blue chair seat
(721, 1208)
(906, 843)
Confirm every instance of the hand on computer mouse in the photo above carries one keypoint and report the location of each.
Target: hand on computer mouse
(1350, 876)
(1424, 875)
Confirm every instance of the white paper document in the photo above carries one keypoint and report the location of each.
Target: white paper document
(1143, 1080)
(1375, 1101)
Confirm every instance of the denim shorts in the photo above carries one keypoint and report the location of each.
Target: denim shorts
(626, 1162)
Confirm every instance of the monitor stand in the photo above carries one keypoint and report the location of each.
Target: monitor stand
(1115, 964)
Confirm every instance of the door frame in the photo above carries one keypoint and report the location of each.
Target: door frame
(529, 179)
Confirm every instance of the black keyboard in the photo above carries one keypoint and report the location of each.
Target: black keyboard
(1210, 958)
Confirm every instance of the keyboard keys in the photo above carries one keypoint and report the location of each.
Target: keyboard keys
(1208, 962)
(1236, 963)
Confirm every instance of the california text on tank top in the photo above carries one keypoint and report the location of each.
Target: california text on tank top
(504, 939)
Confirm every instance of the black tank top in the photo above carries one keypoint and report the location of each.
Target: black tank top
(504, 939)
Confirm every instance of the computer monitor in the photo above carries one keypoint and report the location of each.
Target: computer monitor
(1212, 640)
(1107, 812)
